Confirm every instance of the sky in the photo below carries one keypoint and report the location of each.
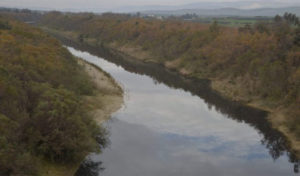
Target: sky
(115, 5)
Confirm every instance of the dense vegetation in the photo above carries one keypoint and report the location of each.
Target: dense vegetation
(257, 62)
(41, 108)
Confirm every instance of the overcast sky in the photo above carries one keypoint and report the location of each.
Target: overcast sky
(118, 4)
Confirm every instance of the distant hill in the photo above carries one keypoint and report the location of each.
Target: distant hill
(227, 12)
(129, 7)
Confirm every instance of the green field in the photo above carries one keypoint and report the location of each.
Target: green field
(234, 21)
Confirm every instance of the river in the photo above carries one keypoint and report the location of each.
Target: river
(172, 126)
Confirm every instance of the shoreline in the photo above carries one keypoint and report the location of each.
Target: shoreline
(275, 117)
(109, 96)
(108, 99)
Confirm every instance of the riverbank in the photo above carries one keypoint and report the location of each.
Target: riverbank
(107, 100)
(234, 91)
(277, 114)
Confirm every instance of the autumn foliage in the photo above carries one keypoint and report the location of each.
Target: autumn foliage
(261, 60)
(41, 112)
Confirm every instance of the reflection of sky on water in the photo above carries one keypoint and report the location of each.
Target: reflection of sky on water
(138, 150)
(166, 131)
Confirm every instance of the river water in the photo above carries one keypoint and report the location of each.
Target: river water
(170, 126)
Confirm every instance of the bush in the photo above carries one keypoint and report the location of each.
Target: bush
(4, 25)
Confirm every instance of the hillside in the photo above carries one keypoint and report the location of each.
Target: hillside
(265, 12)
(45, 119)
(257, 65)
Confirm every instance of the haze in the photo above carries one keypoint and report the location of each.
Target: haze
(136, 5)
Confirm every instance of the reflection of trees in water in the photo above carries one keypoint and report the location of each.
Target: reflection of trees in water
(89, 168)
(274, 141)
(296, 167)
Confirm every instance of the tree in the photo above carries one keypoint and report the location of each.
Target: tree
(246, 28)
(4, 25)
(61, 130)
(214, 27)
(41, 114)
(291, 18)
(277, 19)
(262, 27)
(297, 36)
(81, 38)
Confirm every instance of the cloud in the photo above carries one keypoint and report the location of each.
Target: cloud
(253, 6)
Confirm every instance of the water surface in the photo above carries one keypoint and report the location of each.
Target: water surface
(174, 126)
